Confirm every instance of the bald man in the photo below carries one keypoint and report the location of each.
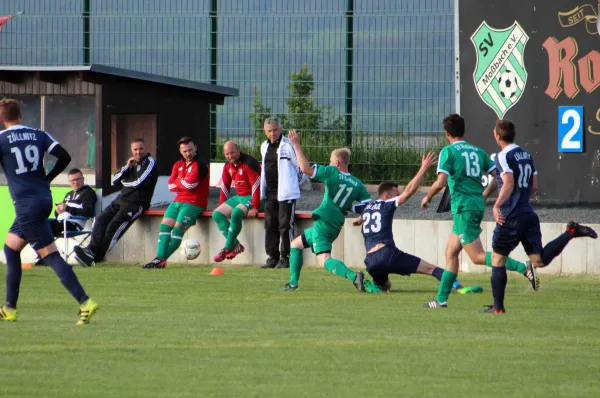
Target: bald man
(244, 171)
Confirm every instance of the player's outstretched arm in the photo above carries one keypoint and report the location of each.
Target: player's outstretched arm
(303, 163)
(62, 161)
(436, 187)
(411, 188)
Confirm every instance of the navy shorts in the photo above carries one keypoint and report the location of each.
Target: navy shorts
(524, 229)
(390, 260)
(31, 223)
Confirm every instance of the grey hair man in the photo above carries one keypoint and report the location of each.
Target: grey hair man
(280, 188)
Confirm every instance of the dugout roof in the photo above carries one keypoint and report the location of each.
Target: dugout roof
(99, 74)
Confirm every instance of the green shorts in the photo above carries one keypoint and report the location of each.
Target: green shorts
(467, 225)
(319, 237)
(246, 201)
(184, 213)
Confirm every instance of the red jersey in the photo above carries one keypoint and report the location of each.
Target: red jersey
(246, 177)
(190, 181)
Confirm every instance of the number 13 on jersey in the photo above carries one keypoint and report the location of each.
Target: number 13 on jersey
(570, 129)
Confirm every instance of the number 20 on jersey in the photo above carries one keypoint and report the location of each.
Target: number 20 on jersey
(570, 129)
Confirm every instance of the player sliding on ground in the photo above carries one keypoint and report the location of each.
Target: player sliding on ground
(341, 190)
(190, 180)
(461, 166)
(516, 222)
(22, 157)
(377, 217)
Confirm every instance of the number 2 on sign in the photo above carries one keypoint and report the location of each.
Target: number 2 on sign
(570, 128)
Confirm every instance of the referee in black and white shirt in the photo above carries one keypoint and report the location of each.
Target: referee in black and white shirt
(280, 186)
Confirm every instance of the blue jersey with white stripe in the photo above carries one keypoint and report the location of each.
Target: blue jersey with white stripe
(519, 162)
(377, 219)
(22, 152)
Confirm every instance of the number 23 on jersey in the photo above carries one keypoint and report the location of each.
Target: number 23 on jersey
(371, 222)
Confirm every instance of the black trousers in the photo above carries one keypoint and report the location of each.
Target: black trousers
(279, 225)
(58, 227)
(110, 225)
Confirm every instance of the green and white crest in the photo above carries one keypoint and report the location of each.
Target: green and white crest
(500, 75)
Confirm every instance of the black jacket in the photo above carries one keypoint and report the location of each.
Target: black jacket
(138, 182)
(81, 203)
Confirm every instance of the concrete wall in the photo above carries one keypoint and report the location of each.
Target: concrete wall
(426, 239)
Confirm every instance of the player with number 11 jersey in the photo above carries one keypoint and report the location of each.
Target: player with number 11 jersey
(341, 190)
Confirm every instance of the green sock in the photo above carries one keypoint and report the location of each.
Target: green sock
(445, 288)
(511, 264)
(336, 267)
(164, 237)
(222, 224)
(176, 237)
(235, 226)
(295, 266)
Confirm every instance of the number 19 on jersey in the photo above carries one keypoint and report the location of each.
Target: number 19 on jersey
(570, 129)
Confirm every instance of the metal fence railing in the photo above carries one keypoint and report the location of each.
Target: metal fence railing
(375, 75)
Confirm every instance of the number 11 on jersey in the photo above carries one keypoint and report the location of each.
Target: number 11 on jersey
(570, 129)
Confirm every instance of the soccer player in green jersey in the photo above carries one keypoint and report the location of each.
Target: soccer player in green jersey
(461, 166)
(341, 190)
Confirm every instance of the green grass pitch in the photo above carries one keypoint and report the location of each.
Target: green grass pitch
(179, 332)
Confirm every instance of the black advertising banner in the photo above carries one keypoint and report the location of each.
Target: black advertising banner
(536, 63)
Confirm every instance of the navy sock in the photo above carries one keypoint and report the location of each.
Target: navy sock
(437, 273)
(13, 276)
(498, 286)
(554, 248)
(67, 276)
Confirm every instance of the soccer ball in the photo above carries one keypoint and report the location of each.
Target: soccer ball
(190, 249)
(507, 84)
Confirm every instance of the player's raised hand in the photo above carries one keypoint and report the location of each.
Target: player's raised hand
(294, 136)
(131, 162)
(428, 160)
(425, 202)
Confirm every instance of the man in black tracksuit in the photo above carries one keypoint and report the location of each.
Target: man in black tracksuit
(138, 178)
(80, 202)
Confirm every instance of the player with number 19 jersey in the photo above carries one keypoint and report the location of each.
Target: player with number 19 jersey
(22, 157)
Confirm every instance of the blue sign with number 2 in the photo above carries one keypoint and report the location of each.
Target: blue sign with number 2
(570, 129)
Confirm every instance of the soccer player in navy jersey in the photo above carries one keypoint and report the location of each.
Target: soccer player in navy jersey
(22, 152)
(516, 222)
(383, 257)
